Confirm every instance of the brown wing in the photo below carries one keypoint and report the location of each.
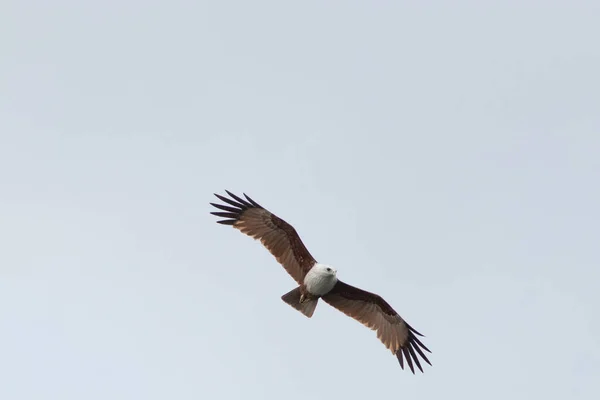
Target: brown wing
(279, 237)
(374, 312)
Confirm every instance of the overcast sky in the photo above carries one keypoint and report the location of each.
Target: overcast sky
(445, 155)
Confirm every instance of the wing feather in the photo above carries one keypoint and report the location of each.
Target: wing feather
(375, 313)
(279, 237)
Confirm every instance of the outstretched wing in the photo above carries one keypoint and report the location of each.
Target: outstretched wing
(279, 237)
(374, 312)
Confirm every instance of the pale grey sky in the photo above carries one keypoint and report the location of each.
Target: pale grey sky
(445, 155)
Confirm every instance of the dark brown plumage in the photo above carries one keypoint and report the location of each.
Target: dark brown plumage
(282, 240)
(375, 313)
(279, 237)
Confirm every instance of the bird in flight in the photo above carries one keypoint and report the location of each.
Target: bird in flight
(319, 281)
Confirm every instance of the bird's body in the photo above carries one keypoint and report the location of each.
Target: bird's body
(319, 281)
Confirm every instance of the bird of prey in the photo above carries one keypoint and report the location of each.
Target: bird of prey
(319, 281)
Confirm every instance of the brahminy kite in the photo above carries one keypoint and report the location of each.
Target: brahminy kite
(319, 281)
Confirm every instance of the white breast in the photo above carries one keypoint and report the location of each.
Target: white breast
(319, 281)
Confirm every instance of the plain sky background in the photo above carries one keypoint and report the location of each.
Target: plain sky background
(445, 155)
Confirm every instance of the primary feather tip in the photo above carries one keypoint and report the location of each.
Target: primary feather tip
(233, 211)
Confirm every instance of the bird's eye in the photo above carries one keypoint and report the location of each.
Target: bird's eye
(328, 269)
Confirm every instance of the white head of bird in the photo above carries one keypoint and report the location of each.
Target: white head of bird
(320, 279)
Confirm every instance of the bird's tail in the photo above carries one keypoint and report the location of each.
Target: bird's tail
(293, 299)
